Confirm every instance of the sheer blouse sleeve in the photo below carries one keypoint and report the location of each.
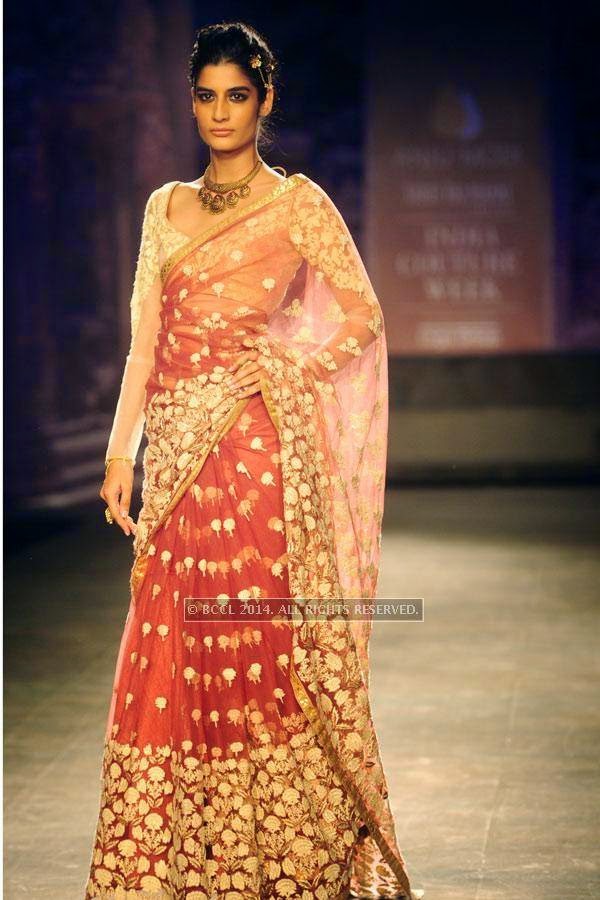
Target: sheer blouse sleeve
(321, 236)
(128, 424)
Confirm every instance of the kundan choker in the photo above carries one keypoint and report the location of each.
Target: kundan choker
(219, 196)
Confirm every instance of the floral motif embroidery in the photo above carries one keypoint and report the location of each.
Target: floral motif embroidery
(321, 236)
(262, 795)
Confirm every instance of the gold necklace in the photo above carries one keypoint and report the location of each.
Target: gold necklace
(218, 196)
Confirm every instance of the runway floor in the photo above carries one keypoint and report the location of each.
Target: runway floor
(487, 712)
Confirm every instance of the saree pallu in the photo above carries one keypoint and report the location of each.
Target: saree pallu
(241, 759)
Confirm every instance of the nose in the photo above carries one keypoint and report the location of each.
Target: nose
(220, 113)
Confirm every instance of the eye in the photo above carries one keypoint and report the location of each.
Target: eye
(205, 95)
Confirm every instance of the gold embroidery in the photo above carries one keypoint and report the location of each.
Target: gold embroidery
(172, 471)
(321, 236)
(253, 831)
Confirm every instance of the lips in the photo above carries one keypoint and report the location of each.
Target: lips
(221, 131)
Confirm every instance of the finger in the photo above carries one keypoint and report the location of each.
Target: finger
(124, 504)
(241, 363)
(237, 362)
(114, 498)
(248, 382)
(242, 376)
(249, 388)
(242, 359)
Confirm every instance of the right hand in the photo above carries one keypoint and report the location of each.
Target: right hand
(245, 373)
(116, 492)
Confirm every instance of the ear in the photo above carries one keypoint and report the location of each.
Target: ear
(267, 105)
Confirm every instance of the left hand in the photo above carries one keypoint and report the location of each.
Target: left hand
(246, 373)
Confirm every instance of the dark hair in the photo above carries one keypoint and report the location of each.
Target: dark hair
(236, 42)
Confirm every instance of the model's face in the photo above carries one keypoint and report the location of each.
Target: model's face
(225, 98)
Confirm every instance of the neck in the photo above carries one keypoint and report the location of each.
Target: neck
(233, 165)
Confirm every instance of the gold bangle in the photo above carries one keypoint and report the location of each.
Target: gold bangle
(112, 459)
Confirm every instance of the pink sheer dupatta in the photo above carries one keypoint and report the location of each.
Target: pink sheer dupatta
(332, 320)
(326, 356)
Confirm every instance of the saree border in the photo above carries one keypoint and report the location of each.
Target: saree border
(320, 733)
(137, 572)
(269, 403)
(282, 188)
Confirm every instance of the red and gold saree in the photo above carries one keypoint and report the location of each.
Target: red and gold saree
(241, 760)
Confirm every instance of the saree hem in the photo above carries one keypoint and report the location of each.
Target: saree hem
(124, 894)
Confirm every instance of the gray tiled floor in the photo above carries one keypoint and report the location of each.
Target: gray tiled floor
(487, 712)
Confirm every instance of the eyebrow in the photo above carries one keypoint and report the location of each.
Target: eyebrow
(241, 87)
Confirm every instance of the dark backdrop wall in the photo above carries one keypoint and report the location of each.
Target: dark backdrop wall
(97, 115)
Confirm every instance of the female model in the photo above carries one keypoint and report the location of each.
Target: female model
(240, 759)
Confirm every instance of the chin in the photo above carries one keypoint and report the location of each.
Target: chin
(217, 143)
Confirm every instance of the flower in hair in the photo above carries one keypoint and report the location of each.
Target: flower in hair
(256, 63)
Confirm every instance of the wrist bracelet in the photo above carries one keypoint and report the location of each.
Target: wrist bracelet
(112, 459)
